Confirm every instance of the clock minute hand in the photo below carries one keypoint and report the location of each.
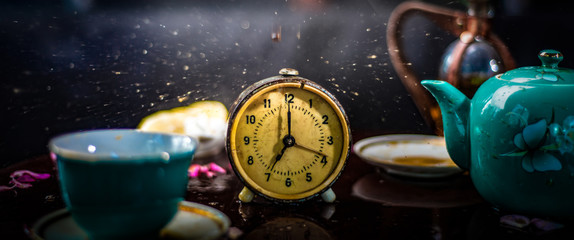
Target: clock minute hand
(309, 149)
(288, 119)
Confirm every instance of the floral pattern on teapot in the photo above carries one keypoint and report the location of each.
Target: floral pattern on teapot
(538, 140)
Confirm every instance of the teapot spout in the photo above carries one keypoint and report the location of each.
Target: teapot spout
(455, 110)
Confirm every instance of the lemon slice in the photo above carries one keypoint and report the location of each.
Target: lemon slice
(205, 121)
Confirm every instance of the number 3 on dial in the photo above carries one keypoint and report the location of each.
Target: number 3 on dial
(288, 139)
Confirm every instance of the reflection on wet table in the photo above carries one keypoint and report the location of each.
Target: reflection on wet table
(371, 204)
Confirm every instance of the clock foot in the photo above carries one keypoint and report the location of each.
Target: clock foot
(328, 196)
(246, 195)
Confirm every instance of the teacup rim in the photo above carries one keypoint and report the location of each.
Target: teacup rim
(74, 155)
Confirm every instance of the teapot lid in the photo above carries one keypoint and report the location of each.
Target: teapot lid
(548, 73)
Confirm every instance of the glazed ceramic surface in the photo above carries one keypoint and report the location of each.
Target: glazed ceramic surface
(193, 221)
(516, 136)
(410, 155)
(122, 182)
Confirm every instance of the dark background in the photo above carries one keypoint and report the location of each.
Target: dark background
(86, 64)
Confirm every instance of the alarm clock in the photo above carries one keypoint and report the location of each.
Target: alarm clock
(288, 139)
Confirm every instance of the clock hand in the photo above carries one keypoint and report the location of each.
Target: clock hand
(288, 141)
(279, 156)
(288, 119)
(309, 149)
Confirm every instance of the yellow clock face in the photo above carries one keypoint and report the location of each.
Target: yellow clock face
(288, 139)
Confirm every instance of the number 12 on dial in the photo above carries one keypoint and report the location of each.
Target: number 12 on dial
(288, 140)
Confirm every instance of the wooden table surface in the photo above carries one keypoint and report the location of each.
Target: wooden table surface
(371, 204)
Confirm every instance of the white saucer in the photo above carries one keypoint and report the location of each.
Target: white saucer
(412, 155)
(192, 221)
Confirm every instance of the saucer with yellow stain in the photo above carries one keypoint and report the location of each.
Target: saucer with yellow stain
(412, 155)
(193, 221)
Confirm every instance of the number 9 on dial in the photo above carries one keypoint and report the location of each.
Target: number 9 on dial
(288, 139)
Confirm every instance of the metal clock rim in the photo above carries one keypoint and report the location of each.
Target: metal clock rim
(255, 89)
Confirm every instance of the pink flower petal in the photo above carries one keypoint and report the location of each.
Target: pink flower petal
(20, 185)
(28, 176)
(194, 167)
(42, 176)
(5, 188)
(209, 170)
(203, 169)
(25, 178)
(194, 170)
(216, 168)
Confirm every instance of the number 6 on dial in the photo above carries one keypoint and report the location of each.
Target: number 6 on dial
(288, 139)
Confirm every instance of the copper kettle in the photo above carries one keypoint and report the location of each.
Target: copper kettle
(462, 68)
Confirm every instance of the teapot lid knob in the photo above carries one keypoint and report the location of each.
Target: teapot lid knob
(550, 58)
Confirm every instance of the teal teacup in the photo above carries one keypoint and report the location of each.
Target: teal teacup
(122, 184)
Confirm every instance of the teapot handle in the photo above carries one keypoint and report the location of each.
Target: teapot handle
(452, 21)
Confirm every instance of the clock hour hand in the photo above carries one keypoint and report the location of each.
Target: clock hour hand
(279, 156)
(288, 141)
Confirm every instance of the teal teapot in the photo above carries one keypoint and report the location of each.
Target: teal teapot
(516, 136)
